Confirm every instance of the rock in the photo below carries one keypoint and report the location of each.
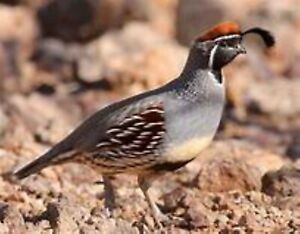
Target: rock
(83, 20)
(293, 149)
(220, 175)
(154, 58)
(261, 94)
(284, 186)
(197, 213)
(173, 199)
(63, 218)
(66, 217)
(242, 149)
(12, 218)
(231, 211)
(284, 182)
(47, 124)
(79, 20)
(294, 69)
(112, 226)
(161, 15)
(18, 32)
(10, 2)
(288, 203)
(51, 54)
(3, 122)
(18, 25)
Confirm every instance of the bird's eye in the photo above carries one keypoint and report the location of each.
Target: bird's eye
(223, 44)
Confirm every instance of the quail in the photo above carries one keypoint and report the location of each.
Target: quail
(159, 130)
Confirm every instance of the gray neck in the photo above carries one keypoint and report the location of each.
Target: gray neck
(198, 59)
(197, 85)
(197, 80)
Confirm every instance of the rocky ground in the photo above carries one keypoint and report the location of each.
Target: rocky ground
(58, 67)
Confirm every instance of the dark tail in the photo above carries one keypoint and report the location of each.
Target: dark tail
(54, 156)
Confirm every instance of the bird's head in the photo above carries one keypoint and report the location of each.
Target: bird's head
(222, 43)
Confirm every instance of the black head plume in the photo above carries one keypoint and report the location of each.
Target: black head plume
(267, 36)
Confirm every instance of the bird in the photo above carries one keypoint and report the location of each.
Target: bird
(159, 130)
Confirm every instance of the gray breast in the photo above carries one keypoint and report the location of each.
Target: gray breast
(193, 120)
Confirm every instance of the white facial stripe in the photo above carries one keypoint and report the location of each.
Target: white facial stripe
(227, 37)
(211, 56)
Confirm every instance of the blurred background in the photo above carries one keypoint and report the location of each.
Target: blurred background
(61, 60)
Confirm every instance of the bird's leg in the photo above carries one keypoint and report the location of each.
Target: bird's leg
(144, 184)
(109, 195)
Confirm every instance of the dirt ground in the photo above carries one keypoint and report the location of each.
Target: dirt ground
(60, 61)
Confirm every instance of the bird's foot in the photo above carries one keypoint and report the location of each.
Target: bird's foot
(161, 220)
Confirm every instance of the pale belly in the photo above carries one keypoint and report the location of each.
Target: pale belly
(188, 149)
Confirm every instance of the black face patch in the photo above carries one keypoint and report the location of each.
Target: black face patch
(225, 49)
(218, 76)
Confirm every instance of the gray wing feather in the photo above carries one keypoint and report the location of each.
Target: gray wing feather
(90, 133)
